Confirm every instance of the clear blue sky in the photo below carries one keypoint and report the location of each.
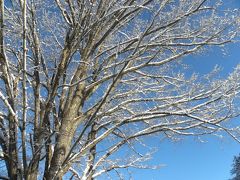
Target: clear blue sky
(189, 159)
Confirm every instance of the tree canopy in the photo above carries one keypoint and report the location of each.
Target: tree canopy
(82, 81)
(236, 168)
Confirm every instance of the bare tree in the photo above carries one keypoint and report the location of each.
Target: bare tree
(83, 80)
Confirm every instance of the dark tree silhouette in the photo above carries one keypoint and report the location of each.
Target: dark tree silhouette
(236, 168)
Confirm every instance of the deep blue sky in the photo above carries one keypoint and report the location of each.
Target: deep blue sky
(189, 159)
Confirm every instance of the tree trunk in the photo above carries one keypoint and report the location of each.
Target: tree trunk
(61, 150)
(12, 149)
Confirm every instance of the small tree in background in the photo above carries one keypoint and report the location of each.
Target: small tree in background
(236, 168)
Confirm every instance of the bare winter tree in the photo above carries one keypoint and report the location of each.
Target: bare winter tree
(83, 81)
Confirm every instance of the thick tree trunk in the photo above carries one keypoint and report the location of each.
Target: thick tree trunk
(67, 129)
(12, 149)
(61, 150)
